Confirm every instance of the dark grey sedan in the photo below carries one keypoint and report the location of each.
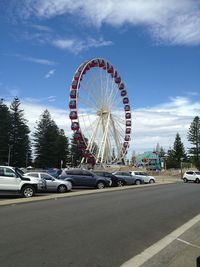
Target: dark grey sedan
(130, 179)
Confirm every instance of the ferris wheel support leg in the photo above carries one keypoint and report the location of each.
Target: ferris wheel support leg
(105, 137)
(90, 144)
(117, 141)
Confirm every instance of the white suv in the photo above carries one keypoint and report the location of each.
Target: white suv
(12, 181)
(193, 176)
(147, 178)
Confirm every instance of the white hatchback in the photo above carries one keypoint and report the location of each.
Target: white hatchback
(193, 176)
(147, 178)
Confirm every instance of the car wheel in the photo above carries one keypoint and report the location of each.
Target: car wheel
(151, 181)
(100, 185)
(197, 181)
(185, 180)
(62, 188)
(137, 182)
(120, 183)
(28, 191)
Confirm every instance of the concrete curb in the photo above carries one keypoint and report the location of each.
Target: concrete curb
(73, 194)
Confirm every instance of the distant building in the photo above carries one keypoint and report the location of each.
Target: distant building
(148, 160)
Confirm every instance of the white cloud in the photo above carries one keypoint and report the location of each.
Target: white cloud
(77, 45)
(49, 73)
(169, 21)
(41, 61)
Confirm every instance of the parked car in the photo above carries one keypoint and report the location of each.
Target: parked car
(193, 176)
(80, 177)
(130, 179)
(12, 181)
(147, 178)
(116, 181)
(54, 172)
(52, 184)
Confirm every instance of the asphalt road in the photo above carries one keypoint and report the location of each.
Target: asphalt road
(102, 230)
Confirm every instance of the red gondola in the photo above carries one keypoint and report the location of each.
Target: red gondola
(110, 69)
(72, 104)
(128, 130)
(77, 75)
(118, 79)
(121, 86)
(73, 93)
(115, 74)
(101, 63)
(86, 153)
(77, 136)
(125, 100)
(123, 93)
(75, 126)
(94, 63)
(73, 115)
(128, 123)
(75, 84)
(126, 144)
(82, 146)
(127, 108)
(127, 138)
(128, 115)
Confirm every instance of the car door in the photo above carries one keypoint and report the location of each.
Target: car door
(190, 175)
(143, 176)
(87, 179)
(50, 181)
(9, 181)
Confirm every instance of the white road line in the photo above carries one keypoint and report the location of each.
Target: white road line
(148, 253)
(187, 243)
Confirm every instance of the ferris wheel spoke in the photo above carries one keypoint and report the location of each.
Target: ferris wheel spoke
(119, 119)
(91, 95)
(94, 133)
(87, 103)
(117, 99)
(113, 92)
(88, 124)
(116, 136)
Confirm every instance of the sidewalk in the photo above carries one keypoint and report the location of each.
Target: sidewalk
(182, 252)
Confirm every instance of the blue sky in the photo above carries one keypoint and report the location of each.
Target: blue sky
(155, 46)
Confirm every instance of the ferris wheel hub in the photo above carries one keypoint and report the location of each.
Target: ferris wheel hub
(102, 112)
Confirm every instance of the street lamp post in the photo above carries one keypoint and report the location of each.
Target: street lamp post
(181, 168)
(9, 152)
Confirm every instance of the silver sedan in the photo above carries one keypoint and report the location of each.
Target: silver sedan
(52, 184)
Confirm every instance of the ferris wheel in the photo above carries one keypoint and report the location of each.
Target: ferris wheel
(100, 113)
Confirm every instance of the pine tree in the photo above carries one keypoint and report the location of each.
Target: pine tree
(62, 150)
(5, 127)
(194, 139)
(20, 147)
(177, 154)
(50, 143)
(75, 152)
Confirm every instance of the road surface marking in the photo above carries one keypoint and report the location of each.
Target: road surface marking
(148, 253)
(187, 243)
